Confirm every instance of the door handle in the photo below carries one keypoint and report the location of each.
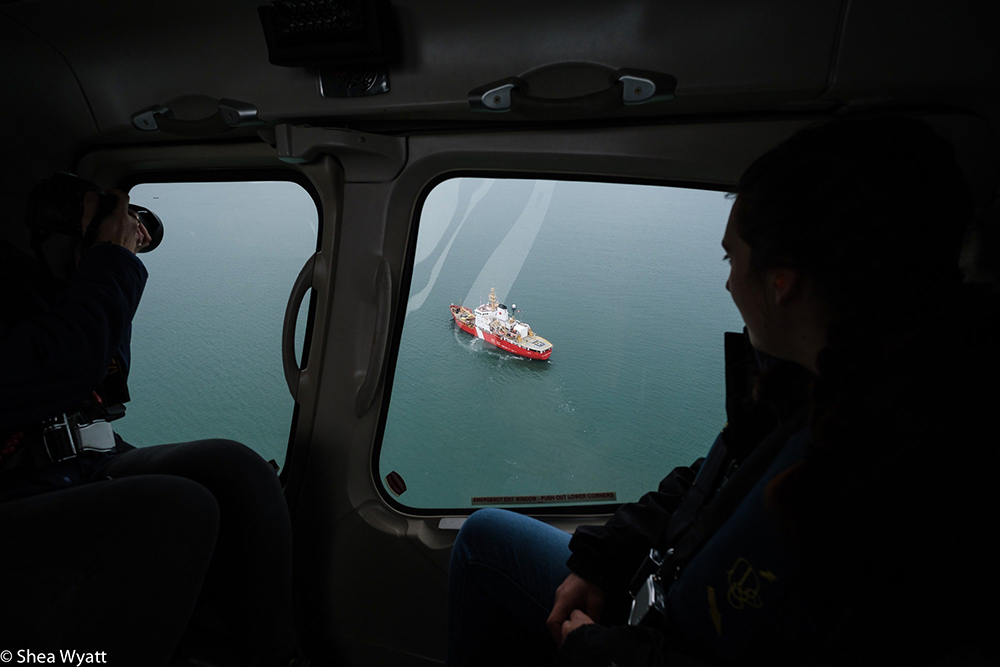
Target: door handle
(303, 283)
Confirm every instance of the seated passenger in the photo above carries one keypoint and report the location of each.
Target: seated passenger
(107, 549)
(845, 514)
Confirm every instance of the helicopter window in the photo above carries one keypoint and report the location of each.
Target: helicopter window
(206, 339)
(604, 368)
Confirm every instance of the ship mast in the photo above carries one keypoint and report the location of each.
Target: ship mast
(493, 298)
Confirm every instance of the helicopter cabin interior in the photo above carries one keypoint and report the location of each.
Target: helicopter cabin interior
(328, 190)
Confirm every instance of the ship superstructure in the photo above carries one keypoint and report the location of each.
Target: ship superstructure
(494, 323)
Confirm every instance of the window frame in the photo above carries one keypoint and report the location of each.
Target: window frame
(396, 332)
(246, 175)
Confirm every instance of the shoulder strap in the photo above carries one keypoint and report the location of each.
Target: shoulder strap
(717, 512)
(739, 370)
(708, 477)
(753, 432)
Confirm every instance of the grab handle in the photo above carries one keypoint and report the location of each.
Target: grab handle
(303, 283)
(625, 87)
(380, 339)
(230, 114)
(592, 104)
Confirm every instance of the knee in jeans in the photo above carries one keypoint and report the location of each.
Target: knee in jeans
(482, 525)
(174, 501)
(479, 523)
(230, 448)
(228, 459)
(237, 454)
(160, 512)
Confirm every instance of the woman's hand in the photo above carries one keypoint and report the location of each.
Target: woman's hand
(577, 603)
(576, 619)
(121, 227)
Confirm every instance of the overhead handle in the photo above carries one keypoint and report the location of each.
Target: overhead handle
(380, 339)
(625, 87)
(229, 115)
(302, 285)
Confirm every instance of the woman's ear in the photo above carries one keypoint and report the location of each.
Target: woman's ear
(783, 283)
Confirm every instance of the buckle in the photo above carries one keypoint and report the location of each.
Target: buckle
(649, 607)
(64, 439)
(97, 436)
(651, 565)
(57, 438)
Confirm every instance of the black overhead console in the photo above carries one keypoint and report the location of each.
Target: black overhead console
(351, 42)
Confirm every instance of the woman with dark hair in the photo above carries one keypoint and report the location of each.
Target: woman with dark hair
(843, 513)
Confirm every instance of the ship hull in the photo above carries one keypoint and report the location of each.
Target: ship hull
(502, 343)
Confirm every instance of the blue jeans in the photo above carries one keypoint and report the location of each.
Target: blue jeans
(505, 568)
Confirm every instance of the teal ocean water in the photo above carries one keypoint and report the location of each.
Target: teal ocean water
(626, 283)
(206, 340)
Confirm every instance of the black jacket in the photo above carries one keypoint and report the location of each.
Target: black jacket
(609, 555)
(891, 511)
(57, 353)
